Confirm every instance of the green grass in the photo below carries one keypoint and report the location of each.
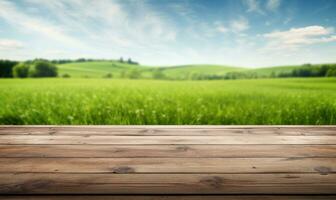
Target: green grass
(100, 68)
(96, 69)
(104, 101)
(183, 71)
(267, 71)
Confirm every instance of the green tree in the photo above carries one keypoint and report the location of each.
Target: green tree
(43, 69)
(323, 70)
(21, 70)
(6, 68)
(331, 72)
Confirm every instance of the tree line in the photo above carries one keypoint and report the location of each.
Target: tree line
(47, 68)
(64, 61)
(40, 67)
(306, 70)
(309, 70)
(36, 68)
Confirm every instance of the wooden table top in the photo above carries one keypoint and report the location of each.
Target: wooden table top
(224, 162)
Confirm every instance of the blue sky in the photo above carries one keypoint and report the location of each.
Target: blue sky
(251, 33)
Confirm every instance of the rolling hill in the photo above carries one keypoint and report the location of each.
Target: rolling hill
(187, 70)
(99, 69)
(96, 69)
(266, 71)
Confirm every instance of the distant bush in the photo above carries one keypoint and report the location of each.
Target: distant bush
(134, 74)
(314, 70)
(21, 70)
(81, 60)
(108, 75)
(61, 61)
(158, 74)
(306, 70)
(307, 65)
(6, 68)
(66, 76)
(331, 72)
(283, 75)
(129, 61)
(43, 69)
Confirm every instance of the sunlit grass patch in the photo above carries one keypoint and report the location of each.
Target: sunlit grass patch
(105, 101)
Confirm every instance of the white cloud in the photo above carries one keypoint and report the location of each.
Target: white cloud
(28, 23)
(219, 27)
(239, 25)
(121, 23)
(147, 33)
(106, 28)
(253, 6)
(222, 29)
(273, 5)
(298, 37)
(183, 8)
(261, 7)
(8, 44)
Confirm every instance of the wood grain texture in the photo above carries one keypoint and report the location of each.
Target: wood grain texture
(87, 139)
(258, 162)
(168, 165)
(168, 151)
(49, 183)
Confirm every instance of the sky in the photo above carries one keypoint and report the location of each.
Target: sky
(249, 33)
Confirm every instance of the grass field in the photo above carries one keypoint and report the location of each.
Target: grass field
(185, 70)
(99, 69)
(269, 70)
(96, 69)
(112, 101)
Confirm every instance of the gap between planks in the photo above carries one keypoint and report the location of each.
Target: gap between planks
(47, 183)
(169, 197)
(173, 131)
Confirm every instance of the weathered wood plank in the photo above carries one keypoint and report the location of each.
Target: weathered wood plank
(170, 197)
(168, 165)
(40, 183)
(250, 139)
(171, 130)
(168, 151)
(168, 160)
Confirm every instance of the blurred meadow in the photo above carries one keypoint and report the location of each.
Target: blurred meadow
(106, 101)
